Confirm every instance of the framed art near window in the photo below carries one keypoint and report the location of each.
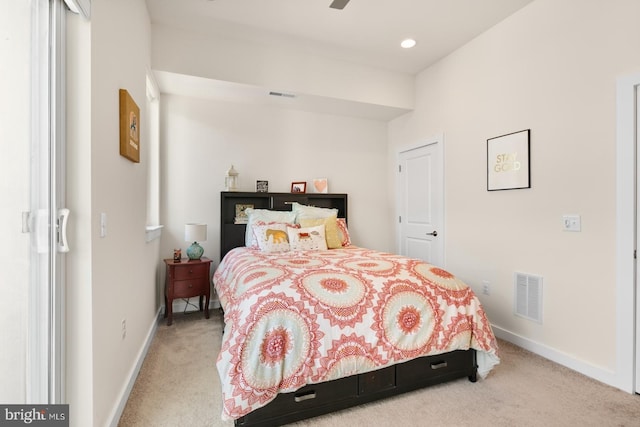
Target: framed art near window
(298, 187)
(129, 127)
(508, 161)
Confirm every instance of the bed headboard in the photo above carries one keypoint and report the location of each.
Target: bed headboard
(232, 234)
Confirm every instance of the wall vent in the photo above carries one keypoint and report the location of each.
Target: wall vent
(528, 296)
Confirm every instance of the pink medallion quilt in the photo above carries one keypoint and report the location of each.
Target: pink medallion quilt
(297, 318)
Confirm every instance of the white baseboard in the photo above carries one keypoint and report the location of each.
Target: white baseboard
(597, 373)
(133, 375)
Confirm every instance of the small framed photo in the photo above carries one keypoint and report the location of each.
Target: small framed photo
(508, 165)
(241, 214)
(262, 186)
(320, 185)
(298, 187)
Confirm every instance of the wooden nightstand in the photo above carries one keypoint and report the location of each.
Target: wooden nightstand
(186, 279)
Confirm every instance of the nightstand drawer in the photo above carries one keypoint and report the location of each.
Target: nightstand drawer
(194, 271)
(188, 288)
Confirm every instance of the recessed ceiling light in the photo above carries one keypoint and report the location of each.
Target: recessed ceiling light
(408, 43)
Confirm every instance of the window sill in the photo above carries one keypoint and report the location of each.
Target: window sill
(153, 232)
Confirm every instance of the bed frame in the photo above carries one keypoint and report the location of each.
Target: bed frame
(318, 399)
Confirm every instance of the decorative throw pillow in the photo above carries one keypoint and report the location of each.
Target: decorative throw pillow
(307, 239)
(331, 230)
(343, 232)
(271, 237)
(255, 215)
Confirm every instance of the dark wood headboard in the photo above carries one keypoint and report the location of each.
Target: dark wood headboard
(232, 234)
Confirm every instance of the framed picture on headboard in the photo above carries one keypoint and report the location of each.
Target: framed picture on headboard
(241, 214)
(262, 186)
(298, 187)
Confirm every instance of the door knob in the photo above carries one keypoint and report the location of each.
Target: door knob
(433, 233)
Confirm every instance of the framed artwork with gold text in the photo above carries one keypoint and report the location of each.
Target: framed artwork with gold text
(129, 127)
(508, 165)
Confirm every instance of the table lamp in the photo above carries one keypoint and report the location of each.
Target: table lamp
(195, 233)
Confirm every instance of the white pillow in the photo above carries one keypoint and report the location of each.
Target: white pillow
(308, 212)
(272, 237)
(307, 239)
(255, 215)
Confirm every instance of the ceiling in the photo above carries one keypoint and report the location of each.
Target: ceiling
(367, 32)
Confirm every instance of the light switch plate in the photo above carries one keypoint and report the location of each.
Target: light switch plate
(103, 224)
(571, 223)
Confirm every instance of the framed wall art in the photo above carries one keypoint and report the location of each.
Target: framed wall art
(320, 185)
(508, 161)
(129, 127)
(241, 214)
(298, 187)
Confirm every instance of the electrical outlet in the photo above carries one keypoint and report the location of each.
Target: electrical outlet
(486, 287)
(124, 328)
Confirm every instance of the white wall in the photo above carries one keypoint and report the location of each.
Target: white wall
(201, 139)
(79, 339)
(110, 278)
(551, 68)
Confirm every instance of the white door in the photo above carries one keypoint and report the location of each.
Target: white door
(420, 202)
(31, 188)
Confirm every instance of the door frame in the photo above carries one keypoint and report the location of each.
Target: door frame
(626, 216)
(437, 139)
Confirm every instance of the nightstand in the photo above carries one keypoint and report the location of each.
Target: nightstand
(186, 279)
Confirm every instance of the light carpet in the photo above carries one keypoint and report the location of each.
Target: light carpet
(178, 385)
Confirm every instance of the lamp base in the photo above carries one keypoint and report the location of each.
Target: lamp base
(195, 251)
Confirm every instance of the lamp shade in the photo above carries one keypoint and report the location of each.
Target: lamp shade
(195, 232)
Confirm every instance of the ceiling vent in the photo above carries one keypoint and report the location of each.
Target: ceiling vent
(528, 296)
(282, 94)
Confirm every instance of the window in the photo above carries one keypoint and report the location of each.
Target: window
(153, 157)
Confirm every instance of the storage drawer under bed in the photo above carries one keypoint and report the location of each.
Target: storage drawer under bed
(458, 363)
(317, 399)
(304, 399)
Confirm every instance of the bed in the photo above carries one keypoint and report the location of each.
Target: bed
(321, 324)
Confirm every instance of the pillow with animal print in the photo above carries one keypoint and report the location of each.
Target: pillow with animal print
(307, 238)
(271, 237)
(265, 215)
